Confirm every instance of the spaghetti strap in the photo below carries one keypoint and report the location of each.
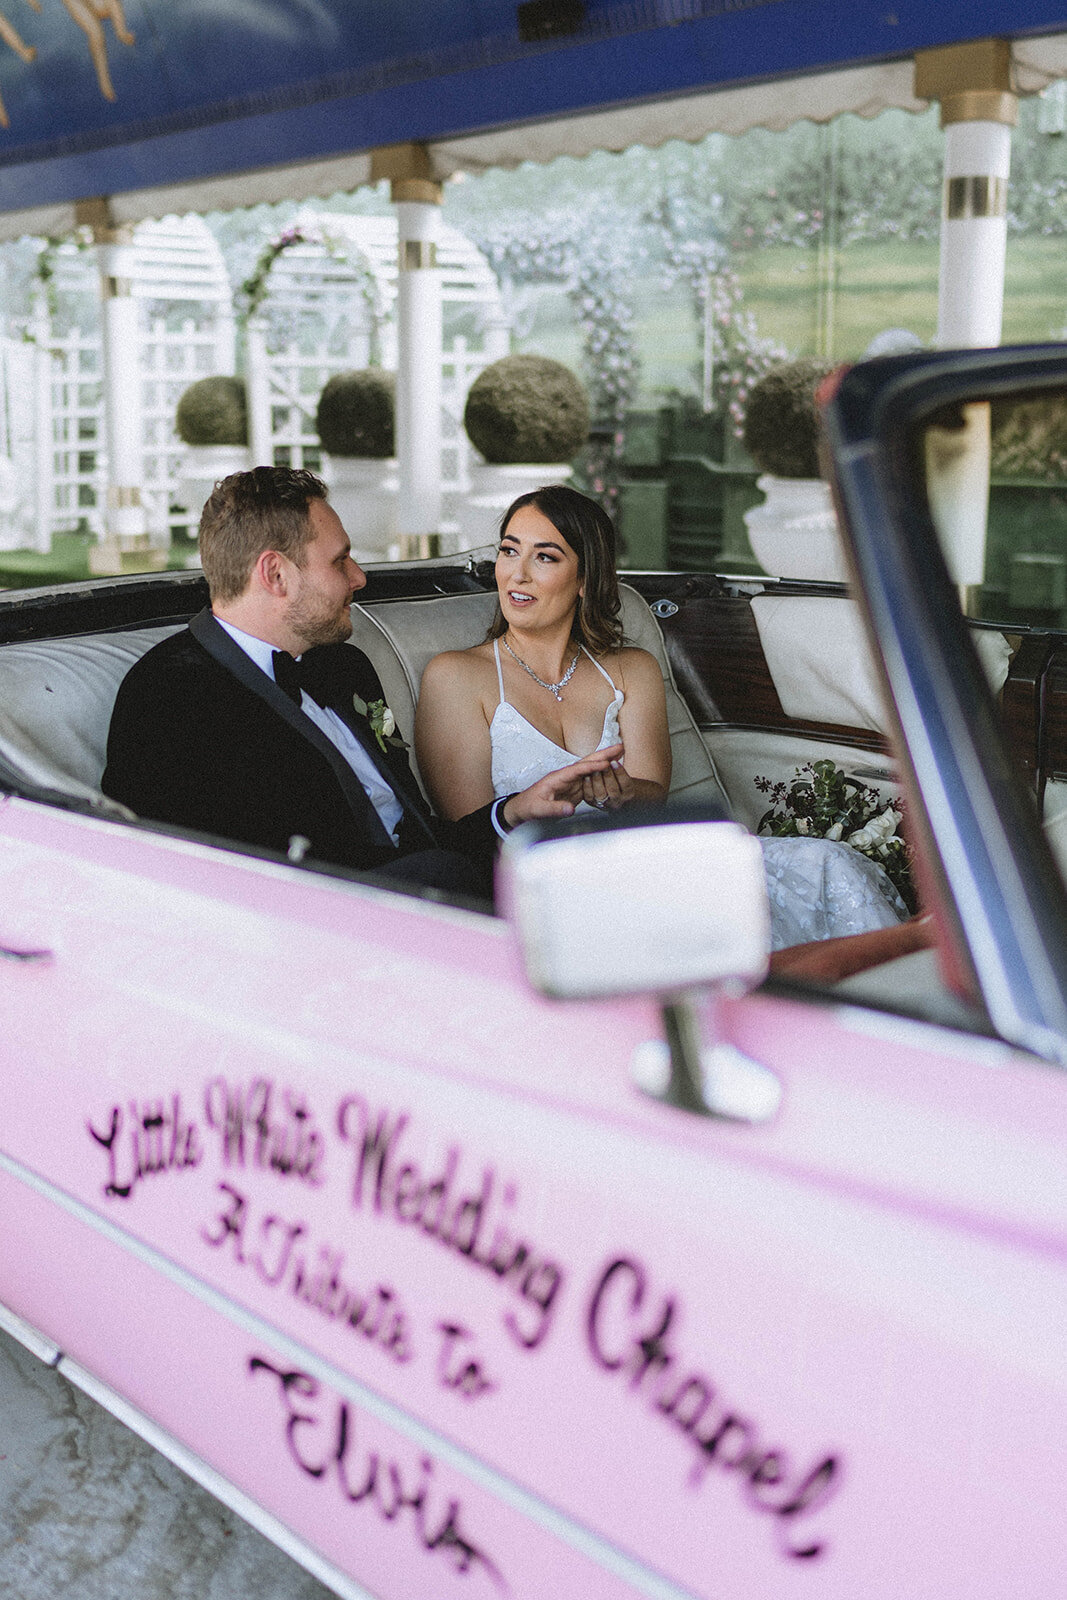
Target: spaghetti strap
(596, 664)
(499, 673)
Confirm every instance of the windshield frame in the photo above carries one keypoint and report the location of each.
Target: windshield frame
(985, 868)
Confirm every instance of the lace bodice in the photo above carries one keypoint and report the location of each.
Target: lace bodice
(522, 753)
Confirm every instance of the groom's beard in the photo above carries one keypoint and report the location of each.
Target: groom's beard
(316, 621)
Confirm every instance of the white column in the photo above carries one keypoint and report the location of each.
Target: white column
(497, 334)
(123, 409)
(970, 314)
(225, 341)
(44, 429)
(125, 540)
(973, 83)
(418, 374)
(257, 385)
(974, 234)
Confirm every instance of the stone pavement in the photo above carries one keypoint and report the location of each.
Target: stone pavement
(90, 1512)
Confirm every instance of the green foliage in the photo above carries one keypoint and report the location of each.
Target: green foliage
(527, 408)
(694, 257)
(847, 180)
(580, 249)
(781, 428)
(822, 803)
(1029, 438)
(213, 411)
(1037, 194)
(356, 414)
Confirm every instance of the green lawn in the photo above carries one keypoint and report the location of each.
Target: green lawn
(68, 562)
(1035, 292)
(876, 286)
(895, 285)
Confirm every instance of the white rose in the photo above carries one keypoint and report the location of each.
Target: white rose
(803, 824)
(836, 831)
(388, 723)
(862, 839)
(886, 824)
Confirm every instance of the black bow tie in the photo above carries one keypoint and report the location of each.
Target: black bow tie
(292, 676)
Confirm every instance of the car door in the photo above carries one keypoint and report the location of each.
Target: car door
(304, 1174)
(304, 1179)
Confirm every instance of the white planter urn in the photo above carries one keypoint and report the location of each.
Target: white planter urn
(364, 494)
(794, 534)
(492, 490)
(203, 465)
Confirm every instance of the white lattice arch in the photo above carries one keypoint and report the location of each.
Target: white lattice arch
(330, 304)
(186, 330)
(176, 259)
(352, 275)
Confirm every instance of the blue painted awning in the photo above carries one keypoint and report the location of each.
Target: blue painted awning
(104, 99)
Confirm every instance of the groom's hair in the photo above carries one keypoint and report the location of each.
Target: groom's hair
(249, 512)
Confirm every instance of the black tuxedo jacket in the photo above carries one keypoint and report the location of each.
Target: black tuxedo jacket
(201, 738)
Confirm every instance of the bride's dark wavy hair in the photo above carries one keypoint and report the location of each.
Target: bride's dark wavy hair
(590, 532)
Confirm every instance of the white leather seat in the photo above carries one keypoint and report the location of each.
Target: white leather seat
(820, 661)
(56, 697)
(402, 636)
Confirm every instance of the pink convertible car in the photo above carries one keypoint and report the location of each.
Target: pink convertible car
(474, 1257)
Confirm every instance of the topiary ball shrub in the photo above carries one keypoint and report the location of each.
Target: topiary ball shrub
(527, 409)
(781, 430)
(213, 411)
(356, 414)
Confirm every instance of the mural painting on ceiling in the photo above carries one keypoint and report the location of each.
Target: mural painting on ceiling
(90, 16)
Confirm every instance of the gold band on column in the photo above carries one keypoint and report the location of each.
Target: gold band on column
(121, 496)
(417, 255)
(420, 546)
(979, 196)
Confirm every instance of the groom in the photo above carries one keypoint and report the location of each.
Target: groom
(259, 724)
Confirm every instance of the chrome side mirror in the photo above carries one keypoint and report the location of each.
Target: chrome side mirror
(662, 904)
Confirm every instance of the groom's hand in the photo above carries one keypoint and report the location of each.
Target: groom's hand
(557, 794)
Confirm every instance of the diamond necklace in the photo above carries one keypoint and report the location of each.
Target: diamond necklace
(553, 688)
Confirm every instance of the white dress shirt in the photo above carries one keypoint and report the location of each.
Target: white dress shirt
(381, 796)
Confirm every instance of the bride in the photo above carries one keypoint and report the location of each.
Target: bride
(553, 713)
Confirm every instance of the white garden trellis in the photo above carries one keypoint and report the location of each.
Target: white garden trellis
(329, 304)
(53, 468)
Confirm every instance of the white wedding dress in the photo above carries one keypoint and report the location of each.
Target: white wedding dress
(817, 889)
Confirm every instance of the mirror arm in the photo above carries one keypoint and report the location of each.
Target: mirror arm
(706, 1079)
(685, 1087)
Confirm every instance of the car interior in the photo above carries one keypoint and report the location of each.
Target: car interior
(762, 676)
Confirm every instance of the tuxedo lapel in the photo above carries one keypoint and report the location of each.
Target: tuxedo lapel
(396, 773)
(217, 642)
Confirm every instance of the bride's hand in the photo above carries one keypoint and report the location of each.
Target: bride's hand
(557, 794)
(609, 789)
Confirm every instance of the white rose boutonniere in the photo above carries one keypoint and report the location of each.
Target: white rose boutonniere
(382, 722)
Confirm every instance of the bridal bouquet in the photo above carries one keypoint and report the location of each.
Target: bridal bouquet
(823, 803)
